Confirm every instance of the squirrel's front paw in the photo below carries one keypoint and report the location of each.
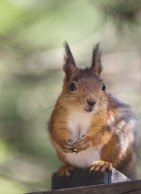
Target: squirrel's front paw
(67, 146)
(101, 166)
(82, 144)
(65, 170)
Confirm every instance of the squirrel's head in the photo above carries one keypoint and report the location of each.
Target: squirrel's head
(83, 88)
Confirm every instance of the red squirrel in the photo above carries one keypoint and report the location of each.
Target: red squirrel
(90, 127)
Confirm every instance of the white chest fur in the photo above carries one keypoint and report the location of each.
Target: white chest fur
(84, 158)
(78, 124)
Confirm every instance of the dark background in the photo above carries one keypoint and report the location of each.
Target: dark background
(32, 34)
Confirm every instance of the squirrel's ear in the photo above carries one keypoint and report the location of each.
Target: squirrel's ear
(69, 66)
(96, 60)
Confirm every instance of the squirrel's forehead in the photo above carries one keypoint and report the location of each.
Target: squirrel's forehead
(90, 84)
(87, 77)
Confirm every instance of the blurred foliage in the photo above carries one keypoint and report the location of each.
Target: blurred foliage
(31, 34)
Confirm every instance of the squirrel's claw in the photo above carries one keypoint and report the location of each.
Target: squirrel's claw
(65, 170)
(67, 146)
(101, 166)
(70, 150)
(81, 144)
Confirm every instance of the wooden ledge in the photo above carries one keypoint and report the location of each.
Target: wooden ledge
(81, 181)
(82, 177)
(132, 187)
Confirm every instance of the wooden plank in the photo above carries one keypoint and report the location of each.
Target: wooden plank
(82, 177)
(132, 187)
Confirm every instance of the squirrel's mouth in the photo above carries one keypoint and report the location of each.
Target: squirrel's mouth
(88, 109)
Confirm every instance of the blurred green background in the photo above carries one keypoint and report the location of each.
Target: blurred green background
(32, 34)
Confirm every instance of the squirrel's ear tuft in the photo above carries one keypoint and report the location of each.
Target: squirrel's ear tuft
(96, 60)
(69, 66)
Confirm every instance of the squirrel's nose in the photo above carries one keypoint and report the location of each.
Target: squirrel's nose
(91, 103)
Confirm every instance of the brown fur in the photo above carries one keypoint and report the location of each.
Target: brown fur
(103, 131)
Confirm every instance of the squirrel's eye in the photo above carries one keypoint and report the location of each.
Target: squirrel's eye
(73, 87)
(103, 87)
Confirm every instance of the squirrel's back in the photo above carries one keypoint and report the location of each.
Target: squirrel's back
(123, 122)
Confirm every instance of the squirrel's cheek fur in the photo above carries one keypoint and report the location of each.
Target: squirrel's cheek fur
(88, 125)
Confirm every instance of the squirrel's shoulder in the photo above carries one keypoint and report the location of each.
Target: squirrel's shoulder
(119, 107)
